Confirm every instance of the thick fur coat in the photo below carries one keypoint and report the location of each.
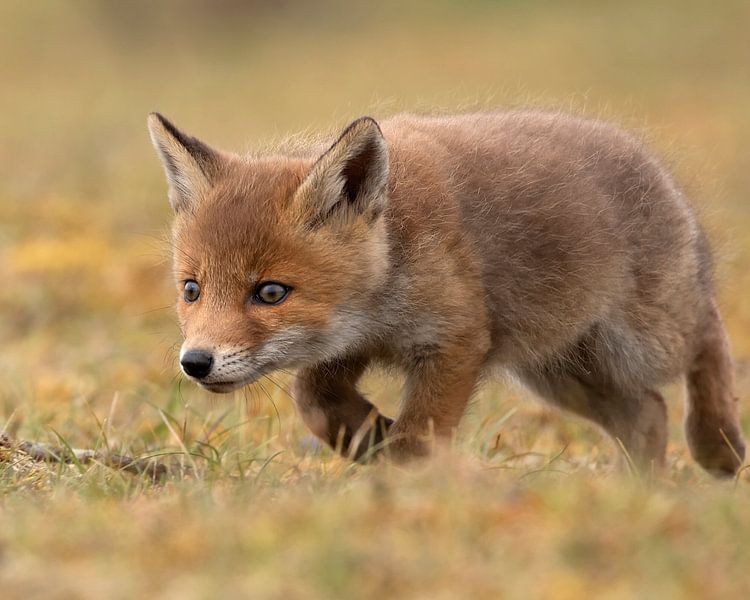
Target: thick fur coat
(554, 247)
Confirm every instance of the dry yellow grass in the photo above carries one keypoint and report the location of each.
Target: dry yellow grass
(529, 505)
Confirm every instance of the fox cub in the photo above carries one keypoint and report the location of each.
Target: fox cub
(551, 246)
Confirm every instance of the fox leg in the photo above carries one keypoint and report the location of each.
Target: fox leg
(330, 405)
(438, 388)
(637, 421)
(712, 424)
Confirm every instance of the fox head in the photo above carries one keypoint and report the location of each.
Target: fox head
(277, 260)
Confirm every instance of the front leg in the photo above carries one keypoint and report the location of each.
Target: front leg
(440, 382)
(333, 409)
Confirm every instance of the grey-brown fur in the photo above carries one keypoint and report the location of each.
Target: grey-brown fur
(552, 246)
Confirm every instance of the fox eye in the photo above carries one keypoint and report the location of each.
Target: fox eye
(192, 291)
(271, 293)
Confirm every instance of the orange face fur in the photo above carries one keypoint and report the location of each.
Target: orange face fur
(256, 223)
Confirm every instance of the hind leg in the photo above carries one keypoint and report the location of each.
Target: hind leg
(637, 421)
(712, 423)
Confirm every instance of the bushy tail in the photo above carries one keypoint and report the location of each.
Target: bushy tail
(712, 424)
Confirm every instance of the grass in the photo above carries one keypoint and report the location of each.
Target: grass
(529, 504)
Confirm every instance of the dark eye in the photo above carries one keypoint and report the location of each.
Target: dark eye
(271, 293)
(192, 291)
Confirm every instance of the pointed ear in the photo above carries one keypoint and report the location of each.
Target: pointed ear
(349, 180)
(190, 165)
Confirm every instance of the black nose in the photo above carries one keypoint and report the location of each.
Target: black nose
(197, 363)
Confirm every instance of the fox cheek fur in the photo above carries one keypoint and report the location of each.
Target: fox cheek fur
(551, 246)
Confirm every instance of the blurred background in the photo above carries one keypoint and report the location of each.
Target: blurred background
(86, 297)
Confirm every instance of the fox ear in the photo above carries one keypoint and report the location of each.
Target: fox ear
(190, 165)
(349, 180)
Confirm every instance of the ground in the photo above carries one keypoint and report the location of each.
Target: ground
(529, 503)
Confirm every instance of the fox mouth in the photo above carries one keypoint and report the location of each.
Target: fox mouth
(232, 369)
(224, 383)
(225, 387)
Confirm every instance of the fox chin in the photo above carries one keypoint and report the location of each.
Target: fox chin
(551, 246)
